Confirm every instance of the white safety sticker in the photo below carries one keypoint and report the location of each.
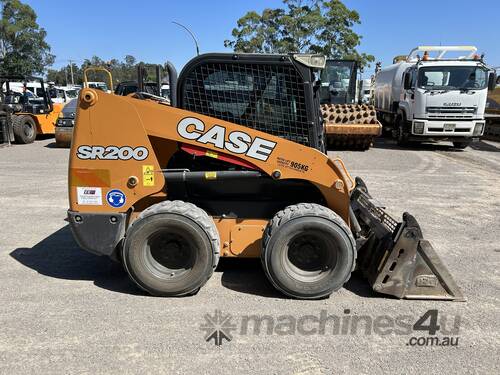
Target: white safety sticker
(90, 196)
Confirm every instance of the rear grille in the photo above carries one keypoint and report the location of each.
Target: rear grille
(451, 112)
(265, 97)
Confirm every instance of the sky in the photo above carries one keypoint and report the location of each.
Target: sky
(112, 29)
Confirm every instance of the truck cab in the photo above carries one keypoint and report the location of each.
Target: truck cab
(435, 98)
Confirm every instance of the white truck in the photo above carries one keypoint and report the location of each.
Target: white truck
(365, 91)
(431, 96)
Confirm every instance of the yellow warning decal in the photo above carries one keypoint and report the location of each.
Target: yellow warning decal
(212, 154)
(210, 175)
(148, 176)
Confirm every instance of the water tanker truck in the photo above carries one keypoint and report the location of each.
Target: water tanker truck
(430, 96)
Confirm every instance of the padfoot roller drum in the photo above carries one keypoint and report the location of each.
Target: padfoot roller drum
(350, 125)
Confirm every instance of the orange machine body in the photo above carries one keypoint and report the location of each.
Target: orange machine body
(45, 122)
(123, 143)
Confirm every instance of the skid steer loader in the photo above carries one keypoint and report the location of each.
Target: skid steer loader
(235, 167)
(348, 124)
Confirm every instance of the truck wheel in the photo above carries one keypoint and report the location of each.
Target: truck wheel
(308, 251)
(401, 129)
(461, 145)
(402, 134)
(24, 128)
(171, 249)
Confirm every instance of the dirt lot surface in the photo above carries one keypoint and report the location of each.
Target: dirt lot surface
(63, 310)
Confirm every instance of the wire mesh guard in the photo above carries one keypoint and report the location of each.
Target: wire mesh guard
(266, 97)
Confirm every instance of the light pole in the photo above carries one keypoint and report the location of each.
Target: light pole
(71, 69)
(192, 36)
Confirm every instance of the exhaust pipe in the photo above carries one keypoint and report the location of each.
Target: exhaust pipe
(172, 77)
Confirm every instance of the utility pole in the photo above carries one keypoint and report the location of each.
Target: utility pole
(71, 70)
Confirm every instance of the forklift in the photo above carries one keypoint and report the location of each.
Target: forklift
(32, 115)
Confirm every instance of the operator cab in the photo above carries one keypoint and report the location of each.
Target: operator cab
(276, 94)
(338, 82)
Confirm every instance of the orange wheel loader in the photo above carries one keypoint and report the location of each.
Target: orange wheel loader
(31, 114)
(235, 166)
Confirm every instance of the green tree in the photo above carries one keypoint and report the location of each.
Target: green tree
(23, 49)
(130, 60)
(63, 75)
(125, 70)
(309, 26)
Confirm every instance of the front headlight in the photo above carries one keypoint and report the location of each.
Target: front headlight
(478, 129)
(418, 127)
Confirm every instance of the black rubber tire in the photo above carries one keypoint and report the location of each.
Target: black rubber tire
(195, 233)
(24, 128)
(300, 222)
(461, 145)
(402, 134)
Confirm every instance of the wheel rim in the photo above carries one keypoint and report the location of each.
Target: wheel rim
(310, 257)
(28, 129)
(168, 254)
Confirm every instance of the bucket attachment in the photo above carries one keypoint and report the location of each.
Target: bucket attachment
(394, 257)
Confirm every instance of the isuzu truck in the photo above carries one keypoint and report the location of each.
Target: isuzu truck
(432, 96)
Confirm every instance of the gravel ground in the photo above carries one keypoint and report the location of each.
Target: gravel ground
(66, 311)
